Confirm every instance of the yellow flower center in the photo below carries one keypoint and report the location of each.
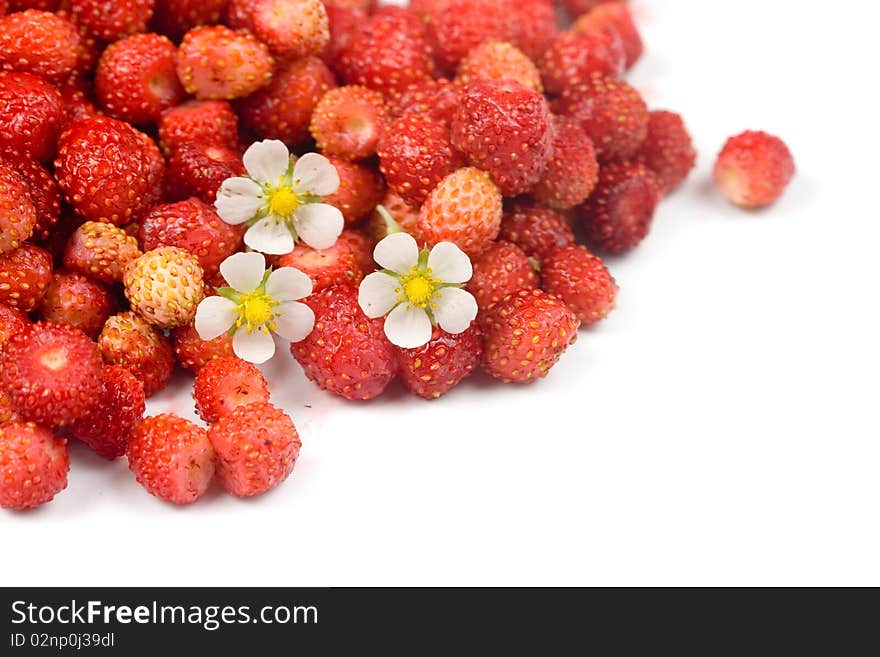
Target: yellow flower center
(283, 201)
(256, 311)
(418, 287)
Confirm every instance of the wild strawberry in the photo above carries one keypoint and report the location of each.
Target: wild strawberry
(344, 23)
(284, 109)
(33, 466)
(536, 229)
(614, 17)
(415, 154)
(7, 409)
(361, 247)
(199, 170)
(174, 18)
(582, 281)
(461, 25)
(504, 128)
(668, 151)
(44, 194)
(52, 372)
(346, 354)
(334, 266)
(572, 171)
(348, 122)
(172, 458)
(106, 428)
(436, 99)
(503, 269)
(38, 42)
(215, 62)
(198, 122)
(465, 208)
(101, 251)
(401, 213)
(612, 113)
(533, 25)
(436, 368)
(576, 8)
(89, 49)
(31, 113)
(22, 5)
(76, 95)
(164, 286)
(574, 56)
(108, 171)
(360, 190)
(499, 60)
(194, 227)
(753, 169)
(618, 215)
(78, 301)
(193, 353)
(388, 52)
(291, 28)
(12, 321)
(24, 276)
(364, 5)
(115, 20)
(257, 447)
(137, 80)
(224, 384)
(17, 213)
(525, 335)
(128, 340)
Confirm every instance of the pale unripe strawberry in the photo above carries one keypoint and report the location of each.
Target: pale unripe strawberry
(165, 286)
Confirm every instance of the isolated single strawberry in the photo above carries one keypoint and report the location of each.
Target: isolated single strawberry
(668, 150)
(582, 281)
(25, 274)
(100, 251)
(130, 341)
(17, 213)
(504, 269)
(33, 466)
(349, 121)
(31, 114)
(78, 301)
(165, 286)
(753, 169)
(224, 384)
(499, 60)
(198, 122)
(38, 42)
(434, 369)
(193, 353)
(572, 171)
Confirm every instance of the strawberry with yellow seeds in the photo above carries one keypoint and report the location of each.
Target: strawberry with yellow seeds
(165, 286)
(100, 251)
(128, 340)
(33, 466)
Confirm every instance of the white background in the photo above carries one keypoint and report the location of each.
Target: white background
(720, 428)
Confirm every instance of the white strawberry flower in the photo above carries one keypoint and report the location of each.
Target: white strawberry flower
(417, 290)
(281, 199)
(257, 303)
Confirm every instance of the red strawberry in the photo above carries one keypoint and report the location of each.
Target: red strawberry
(174, 18)
(44, 194)
(576, 8)
(461, 25)
(533, 25)
(387, 53)
(611, 112)
(504, 128)
(504, 269)
(106, 428)
(284, 109)
(537, 230)
(172, 458)
(525, 335)
(334, 266)
(7, 410)
(199, 122)
(17, 213)
(465, 208)
(215, 62)
(38, 42)
(499, 60)
(90, 47)
(193, 353)
(100, 251)
(24, 276)
(257, 447)
(192, 226)
(364, 5)
(361, 189)
(291, 28)
(668, 151)
(224, 384)
(348, 122)
(618, 215)
(574, 56)
(76, 94)
(436, 368)
(77, 301)
(22, 5)
(403, 214)
(415, 154)
(436, 99)
(108, 171)
(52, 372)
(614, 17)
(12, 322)
(361, 248)
(582, 281)
(115, 20)
(344, 23)
(137, 78)
(753, 169)
(131, 342)
(572, 172)
(33, 466)
(346, 353)
(199, 170)
(31, 112)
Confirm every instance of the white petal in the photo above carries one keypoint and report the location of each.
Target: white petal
(288, 284)
(408, 327)
(314, 174)
(214, 316)
(319, 225)
(378, 294)
(397, 252)
(270, 235)
(256, 347)
(239, 200)
(295, 321)
(450, 264)
(455, 309)
(267, 161)
(244, 271)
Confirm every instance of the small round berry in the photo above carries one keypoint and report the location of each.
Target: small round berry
(165, 286)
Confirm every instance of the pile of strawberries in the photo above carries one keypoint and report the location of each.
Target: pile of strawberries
(478, 122)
